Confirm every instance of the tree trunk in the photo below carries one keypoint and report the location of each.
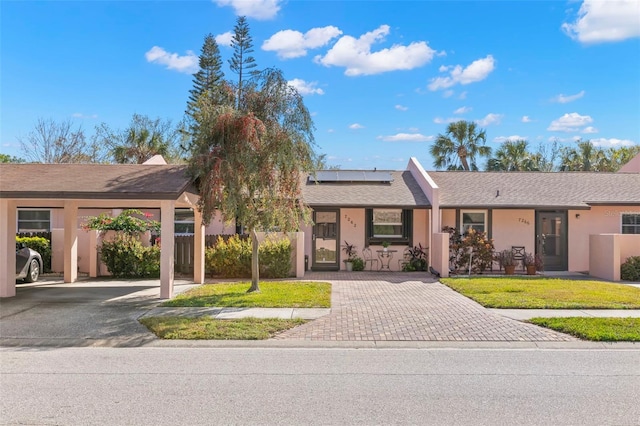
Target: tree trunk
(255, 270)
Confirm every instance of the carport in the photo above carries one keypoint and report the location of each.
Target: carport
(76, 186)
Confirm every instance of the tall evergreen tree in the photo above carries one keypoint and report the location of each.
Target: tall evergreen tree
(208, 79)
(242, 63)
(458, 148)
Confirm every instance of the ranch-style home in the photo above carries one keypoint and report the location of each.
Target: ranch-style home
(588, 222)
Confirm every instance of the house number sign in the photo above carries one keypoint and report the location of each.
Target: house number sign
(523, 220)
(348, 219)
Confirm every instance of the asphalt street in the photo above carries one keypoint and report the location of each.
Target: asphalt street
(187, 385)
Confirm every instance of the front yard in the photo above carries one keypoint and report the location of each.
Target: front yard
(547, 293)
(273, 294)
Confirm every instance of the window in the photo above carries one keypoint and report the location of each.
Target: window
(184, 222)
(631, 223)
(473, 219)
(392, 225)
(34, 220)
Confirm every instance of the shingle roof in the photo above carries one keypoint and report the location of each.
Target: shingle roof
(98, 181)
(536, 189)
(403, 191)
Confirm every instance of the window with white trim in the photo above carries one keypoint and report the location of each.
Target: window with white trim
(184, 222)
(630, 223)
(34, 220)
(476, 219)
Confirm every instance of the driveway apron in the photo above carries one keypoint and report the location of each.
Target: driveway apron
(411, 310)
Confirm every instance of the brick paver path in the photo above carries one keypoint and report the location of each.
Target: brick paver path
(399, 307)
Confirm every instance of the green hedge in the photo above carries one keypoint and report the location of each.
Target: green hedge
(231, 258)
(42, 246)
(126, 257)
(630, 269)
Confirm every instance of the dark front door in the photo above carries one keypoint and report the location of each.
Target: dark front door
(325, 240)
(551, 235)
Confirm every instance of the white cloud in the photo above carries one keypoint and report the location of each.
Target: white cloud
(572, 122)
(448, 93)
(293, 44)
(526, 119)
(603, 142)
(257, 9)
(490, 119)
(84, 116)
(564, 99)
(330, 131)
(601, 21)
(440, 120)
(406, 137)
(401, 107)
(356, 126)
(463, 95)
(356, 56)
(509, 138)
(589, 130)
(462, 110)
(306, 87)
(478, 70)
(568, 139)
(224, 39)
(187, 63)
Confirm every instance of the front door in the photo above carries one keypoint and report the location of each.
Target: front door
(551, 232)
(325, 240)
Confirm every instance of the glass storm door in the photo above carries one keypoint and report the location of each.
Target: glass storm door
(325, 240)
(551, 230)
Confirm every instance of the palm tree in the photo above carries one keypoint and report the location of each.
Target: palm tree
(585, 158)
(512, 156)
(458, 147)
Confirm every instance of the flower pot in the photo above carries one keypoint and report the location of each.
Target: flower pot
(349, 266)
(385, 249)
(531, 269)
(509, 269)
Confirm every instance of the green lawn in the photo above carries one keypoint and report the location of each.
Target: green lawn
(596, 329)
(273, 294)
(546, 293)
(207, 328)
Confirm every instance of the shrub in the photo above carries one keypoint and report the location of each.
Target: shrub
(461, 247)
(42, 246)
(231, 258)
(129, 222)
(358, 263)
(275, 258)
(630, 269)
(126, 257)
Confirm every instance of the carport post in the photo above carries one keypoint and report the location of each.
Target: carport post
(167, 215)
(70, 241)
(198, 248)
(8, 247)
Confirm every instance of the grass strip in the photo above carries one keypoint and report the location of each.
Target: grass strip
(273, 294)
(546, 293)
(595, 329)
(208, 328)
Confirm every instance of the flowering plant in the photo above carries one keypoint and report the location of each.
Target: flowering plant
(129, 222)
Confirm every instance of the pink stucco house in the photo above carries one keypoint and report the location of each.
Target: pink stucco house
(588, 222)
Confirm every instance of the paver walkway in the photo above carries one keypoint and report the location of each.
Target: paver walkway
(410, 309)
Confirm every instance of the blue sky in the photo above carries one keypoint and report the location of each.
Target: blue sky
(381, 78)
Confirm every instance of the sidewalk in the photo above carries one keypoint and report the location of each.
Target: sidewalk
(235, 313)
(525, 314)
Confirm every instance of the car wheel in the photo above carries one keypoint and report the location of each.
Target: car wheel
(34, 272)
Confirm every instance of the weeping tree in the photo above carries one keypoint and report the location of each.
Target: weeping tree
(248, 160)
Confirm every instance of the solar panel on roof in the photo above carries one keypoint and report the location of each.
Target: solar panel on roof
(351, 176)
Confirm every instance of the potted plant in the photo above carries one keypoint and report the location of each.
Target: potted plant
(539, 262)
(385, 245)
(530, 263)
(350, 251)
(508, 261)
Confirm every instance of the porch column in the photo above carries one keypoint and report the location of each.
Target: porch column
(198, 248)
(167, 248)
(70, 241)
(94, 265)
(8, 247)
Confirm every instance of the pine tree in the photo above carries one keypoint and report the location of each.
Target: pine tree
(210, 76)
(242, 62)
